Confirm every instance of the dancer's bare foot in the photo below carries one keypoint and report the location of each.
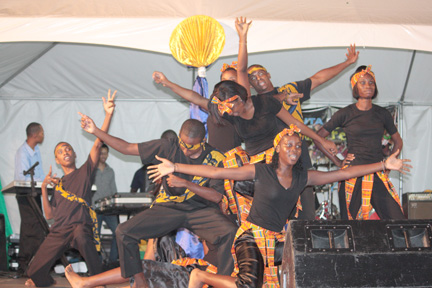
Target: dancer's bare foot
(194, 279)
(74, 279)
(30, 283)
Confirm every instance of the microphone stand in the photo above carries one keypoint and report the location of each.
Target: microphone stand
(38, 212)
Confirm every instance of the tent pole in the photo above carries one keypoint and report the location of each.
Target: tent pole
(401, 115)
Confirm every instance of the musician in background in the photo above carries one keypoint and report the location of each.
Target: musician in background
(31, 232)
(106, 187)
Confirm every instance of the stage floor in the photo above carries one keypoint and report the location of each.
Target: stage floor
(7, 282)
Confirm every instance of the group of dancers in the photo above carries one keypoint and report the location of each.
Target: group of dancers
(199, 181)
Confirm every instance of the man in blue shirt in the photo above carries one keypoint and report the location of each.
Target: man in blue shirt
(31, 232)
(29, 153)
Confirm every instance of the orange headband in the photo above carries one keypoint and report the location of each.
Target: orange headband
(360, 74)
(256, 68)
(287, 131)
(226, 66)
(226, 105)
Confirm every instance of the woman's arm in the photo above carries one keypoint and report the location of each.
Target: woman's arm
(187, 94)
(242, 59)
(167, 167)
(392, 163)
(286, 117)
(398, 142)
(324, 133)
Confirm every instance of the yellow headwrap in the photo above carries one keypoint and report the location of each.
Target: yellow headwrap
(256, 68)
(360, 74)
(287, 131)
(225, 66)
(191, 147)
(226, 105)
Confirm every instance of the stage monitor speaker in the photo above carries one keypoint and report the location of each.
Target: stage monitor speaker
(355, 253)
(417, 205)
(3, 257)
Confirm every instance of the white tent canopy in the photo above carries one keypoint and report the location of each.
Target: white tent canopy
(60, 57)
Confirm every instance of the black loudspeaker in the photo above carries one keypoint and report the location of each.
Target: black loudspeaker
(417, 205)
(355, 253)
(3, 257)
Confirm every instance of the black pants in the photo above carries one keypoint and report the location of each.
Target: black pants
(208, 223)
(250, 261)
(56, 243)
(32, 233)
(385, 206)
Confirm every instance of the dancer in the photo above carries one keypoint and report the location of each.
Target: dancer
(221, 136)
(277, 189)
(260, 80)
(165, 265)
(183, 201)
(364, 124)
(75, 223)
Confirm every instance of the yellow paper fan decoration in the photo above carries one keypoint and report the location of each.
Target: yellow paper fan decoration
(197, 41)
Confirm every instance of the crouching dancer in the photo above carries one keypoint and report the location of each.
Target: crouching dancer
(75, 224)
(184, 201)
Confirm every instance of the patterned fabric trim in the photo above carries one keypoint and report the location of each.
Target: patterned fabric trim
(367, 187)
(294, 110)
(74, 198)
(213, 159)
(266, 242)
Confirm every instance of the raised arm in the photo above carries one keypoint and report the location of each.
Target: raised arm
(187, 94)
(52, 180)
(286, 117)
(109, 106)
(118, 144)
(242, 27)
(167, 167)
(324, 75)
(392, 163)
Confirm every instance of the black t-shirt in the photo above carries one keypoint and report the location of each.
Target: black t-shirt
(170, 149)
(272, 202)
(78, 182)
(364, 131)
(222, 137)
(258, 133)
(296, 87)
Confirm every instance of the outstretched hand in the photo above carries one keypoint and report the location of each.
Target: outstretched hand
(352, 55)
(156, 172)
(292, 98)
(108, 102)
(87, 123)
(242, 26)
(159, 77)
(393, 163)
(50, 179)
